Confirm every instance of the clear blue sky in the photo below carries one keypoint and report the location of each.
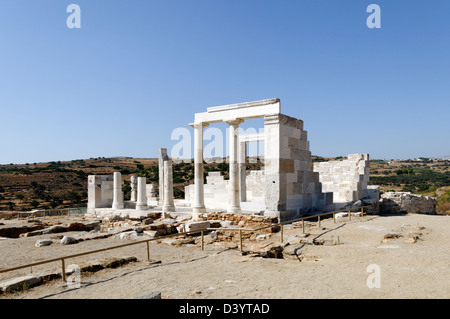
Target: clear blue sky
(136, 70)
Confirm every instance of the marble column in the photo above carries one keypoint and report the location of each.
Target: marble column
(133, 184)
(198, 204)
(141, 203)
(168, 205)
(117, 191)
(242, 166)
(162, 157)
(234, 203)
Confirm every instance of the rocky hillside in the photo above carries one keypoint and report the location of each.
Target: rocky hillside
(64, 184)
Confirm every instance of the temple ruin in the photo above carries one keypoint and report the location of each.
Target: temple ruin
(288, 186)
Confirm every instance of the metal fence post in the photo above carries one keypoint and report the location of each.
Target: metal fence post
(63, 269)
(203, 247)
(240, 240)
(281, 233)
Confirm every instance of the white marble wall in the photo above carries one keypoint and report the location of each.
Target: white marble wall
(346, 179)
(100, 192)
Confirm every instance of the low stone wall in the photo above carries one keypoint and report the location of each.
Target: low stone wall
(246, 221)
(404, 202)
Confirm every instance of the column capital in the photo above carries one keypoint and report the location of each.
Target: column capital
(235, 121)
(200, 125)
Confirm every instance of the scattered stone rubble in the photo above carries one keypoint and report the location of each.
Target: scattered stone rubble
(407, 233)
(405, 202)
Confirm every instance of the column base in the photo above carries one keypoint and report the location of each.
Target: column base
(141, 207)
(117, 206)
(168, 209)
(234, 210)
(196, 211)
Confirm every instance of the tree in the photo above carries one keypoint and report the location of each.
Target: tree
(34, 204)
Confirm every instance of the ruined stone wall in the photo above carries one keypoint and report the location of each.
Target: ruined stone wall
(293, 187)
(100, 192)
(254, 186)
(346, 179)
(404, 202)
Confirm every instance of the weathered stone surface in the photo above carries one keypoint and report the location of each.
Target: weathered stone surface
(19, 283)
(139, 230)
(193, 226)
(152, 295)
(55, 229)
(154, 233)
(404, 202)
(147, 221)
(127, 235)
(43, 242)
(16, 232)
(66, 240)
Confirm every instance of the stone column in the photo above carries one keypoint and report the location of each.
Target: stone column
(275, 188)
(234, 204)
(117, 191)
(198, 204)
(242, 171)
(168, 205)
(162, 157)
(133, 185)
(141, 203)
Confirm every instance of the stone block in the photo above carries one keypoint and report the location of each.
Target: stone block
(43, 242)
(66, 240)
(193, 226)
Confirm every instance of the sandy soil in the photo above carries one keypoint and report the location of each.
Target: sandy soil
(407, 270)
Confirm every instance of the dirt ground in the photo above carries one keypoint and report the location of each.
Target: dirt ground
(407, 269)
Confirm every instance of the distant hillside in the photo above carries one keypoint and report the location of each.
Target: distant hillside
(64, 184)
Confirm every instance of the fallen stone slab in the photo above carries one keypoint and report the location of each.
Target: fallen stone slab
(340, 215)
(151, 233)
(128, 235)
(20, 283)
(66, 240)
(18, 231)
(193, 226)
(43, 242)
